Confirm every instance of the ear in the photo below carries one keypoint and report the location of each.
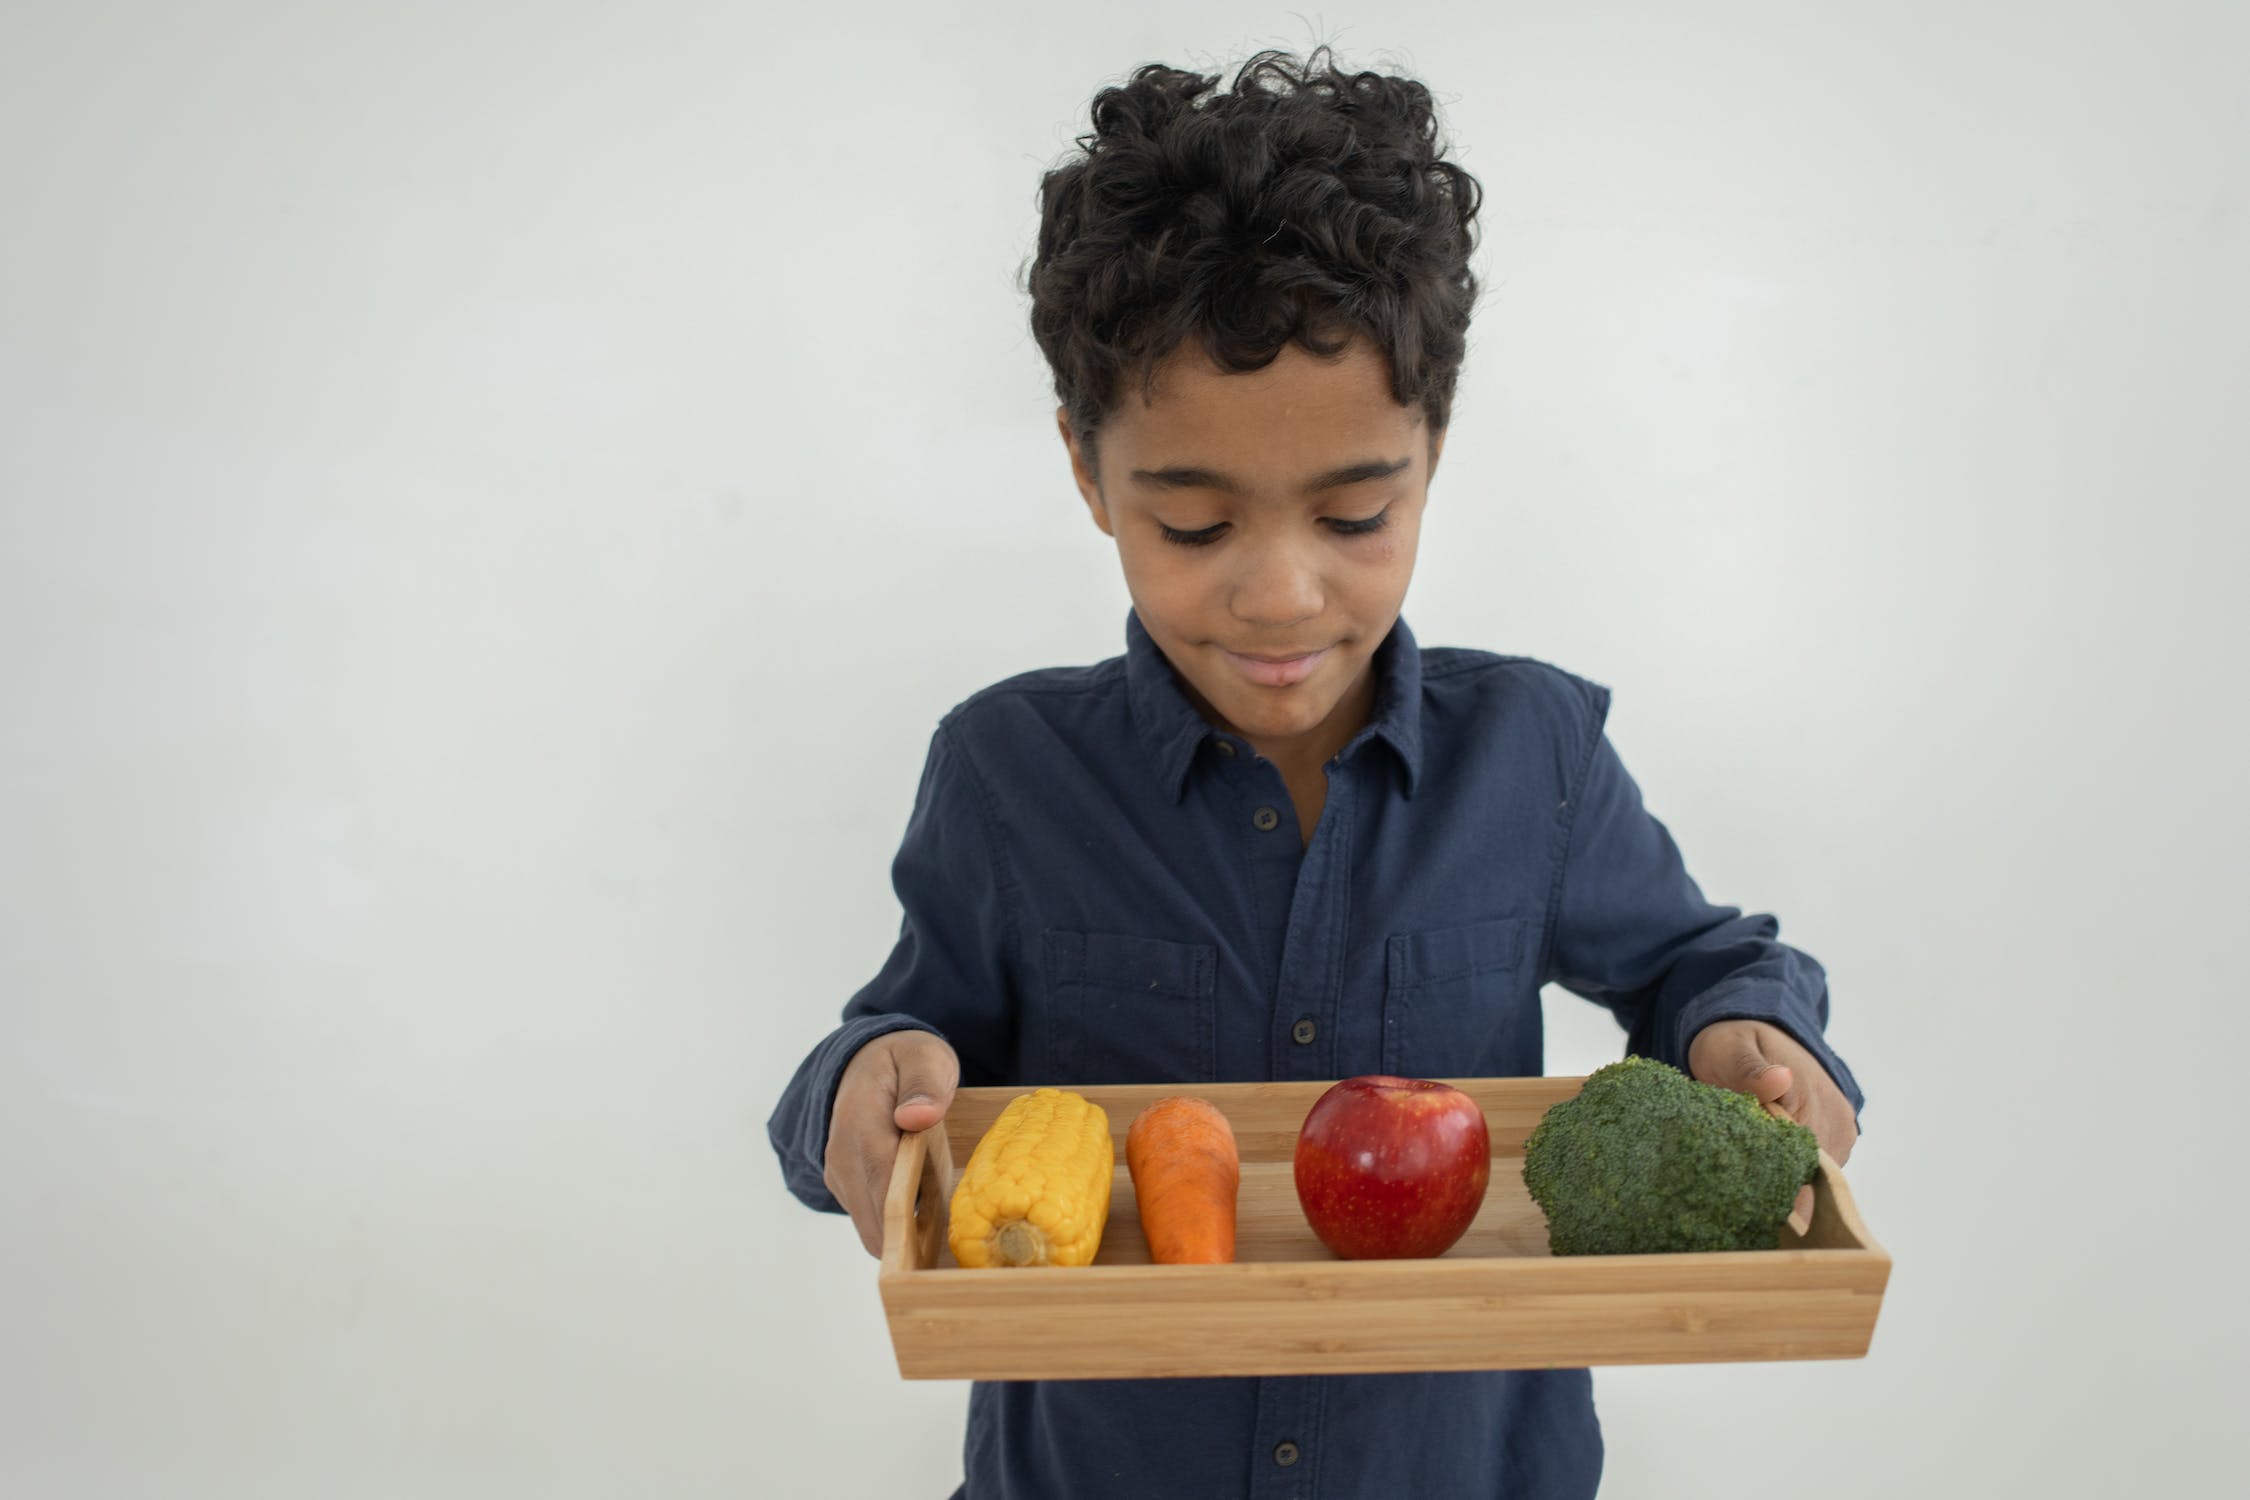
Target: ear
(1437, 446)
(1082, 471)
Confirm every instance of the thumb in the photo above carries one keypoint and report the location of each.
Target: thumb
(1740, 1064)
(928, 1073)
(1762, 1079)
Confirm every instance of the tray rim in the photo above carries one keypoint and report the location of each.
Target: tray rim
(929, 1153)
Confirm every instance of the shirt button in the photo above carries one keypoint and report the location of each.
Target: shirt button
(1303, 1032)
(1266, 819)
(1285, 1454)
(1224, 747)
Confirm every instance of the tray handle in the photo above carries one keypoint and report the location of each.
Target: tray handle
(1834, 1220)
(914, 1209)
(1836, 1224)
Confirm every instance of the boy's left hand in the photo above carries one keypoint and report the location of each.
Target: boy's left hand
(1758, 1058)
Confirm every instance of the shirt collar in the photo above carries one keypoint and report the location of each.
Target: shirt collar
(1171, 730)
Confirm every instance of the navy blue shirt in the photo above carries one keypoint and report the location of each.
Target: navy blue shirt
(1101, 887)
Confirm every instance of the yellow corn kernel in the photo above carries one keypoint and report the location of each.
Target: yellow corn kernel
(1036, 1189)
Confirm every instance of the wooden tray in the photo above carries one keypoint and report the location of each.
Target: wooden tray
(1497, 1300)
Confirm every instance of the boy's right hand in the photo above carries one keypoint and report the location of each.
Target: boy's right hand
(902, 1080)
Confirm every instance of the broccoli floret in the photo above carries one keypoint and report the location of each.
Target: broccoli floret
(1646, 1159)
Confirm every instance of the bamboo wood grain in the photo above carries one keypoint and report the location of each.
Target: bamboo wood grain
(914, 1206)
(1497, 1300)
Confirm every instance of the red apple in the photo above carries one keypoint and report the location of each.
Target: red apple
(1392, 1167)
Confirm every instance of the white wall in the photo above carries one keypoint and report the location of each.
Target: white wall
(493, 499)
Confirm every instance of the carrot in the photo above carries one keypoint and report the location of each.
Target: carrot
(1186, 1172)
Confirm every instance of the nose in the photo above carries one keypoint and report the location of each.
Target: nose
(1278, 586)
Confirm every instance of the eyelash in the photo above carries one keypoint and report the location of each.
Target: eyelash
(1210, 534)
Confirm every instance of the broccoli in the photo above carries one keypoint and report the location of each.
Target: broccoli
(1646, 1159)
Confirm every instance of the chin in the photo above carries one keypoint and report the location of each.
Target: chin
(1277, 720)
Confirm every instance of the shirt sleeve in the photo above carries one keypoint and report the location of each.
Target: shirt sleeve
(1633, 932)
(950, 972)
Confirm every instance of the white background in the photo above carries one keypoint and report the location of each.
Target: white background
(493, 499)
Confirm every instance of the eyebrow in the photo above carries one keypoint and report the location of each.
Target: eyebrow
(1188, 477)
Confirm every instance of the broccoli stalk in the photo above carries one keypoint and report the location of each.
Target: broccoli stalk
(1646, 1159)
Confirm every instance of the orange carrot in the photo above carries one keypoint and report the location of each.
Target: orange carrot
(1186, 1172)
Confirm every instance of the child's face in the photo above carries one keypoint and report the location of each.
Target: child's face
(1272, 617)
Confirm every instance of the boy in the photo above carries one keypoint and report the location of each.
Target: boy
(1276, 839)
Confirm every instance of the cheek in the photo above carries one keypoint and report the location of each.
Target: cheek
(1165, 581)
(1385, 562)
(1401, 547)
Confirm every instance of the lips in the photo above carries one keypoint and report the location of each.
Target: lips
(1276, 671)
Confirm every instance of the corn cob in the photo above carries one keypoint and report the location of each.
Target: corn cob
(1036, 1189)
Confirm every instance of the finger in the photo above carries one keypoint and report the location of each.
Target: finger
(1814, 1101)
(1736, 1060)
(868, 1147)
(859, 1177)
(876, 1166)
(862, 1143)
(1800, 1217)
(1797, 1098)
(847, 1182)
(928, 1073)
(1767, 1082)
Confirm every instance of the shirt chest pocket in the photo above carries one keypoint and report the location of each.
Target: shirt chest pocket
(1130, 1009)
(1459, 1002)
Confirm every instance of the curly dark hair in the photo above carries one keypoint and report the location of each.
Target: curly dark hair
(1309, 204)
